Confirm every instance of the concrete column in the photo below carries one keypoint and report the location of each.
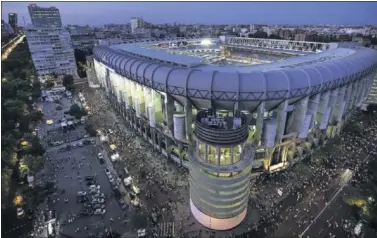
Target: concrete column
(205, 153)
(340, 104)
(157, 102)
(298, 116)
(313, 105)
(332, 102)
(169, 112)
(180, 149)
(322, 107)
(218, 154)
(353, 95)
(259, 123)
(148, 100)
(178, 107)
(167, 144)
(281, 120)
(188, 118)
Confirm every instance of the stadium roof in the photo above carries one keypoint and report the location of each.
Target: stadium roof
(290, 78)
(178, 59)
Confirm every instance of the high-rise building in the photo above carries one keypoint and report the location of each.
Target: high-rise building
(50, 44)
(300, 37)
(6, 29)
(13, 20)
(52, 52)
(44, 16)
(83, 38)
(136, 22)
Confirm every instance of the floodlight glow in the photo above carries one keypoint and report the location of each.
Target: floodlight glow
(205, 42)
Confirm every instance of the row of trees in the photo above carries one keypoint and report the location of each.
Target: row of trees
(20, 87)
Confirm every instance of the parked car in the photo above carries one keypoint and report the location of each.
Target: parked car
(99, 211)
(90, 178)
(135, 189)
(93, 191)
(99, 195)
(107, 171)
(58, 108)
(86, 212)
(99, 206)
(98, 200)
(98, 187)
(91, 182)
(87, 205)
(81, 193)
(100, 156)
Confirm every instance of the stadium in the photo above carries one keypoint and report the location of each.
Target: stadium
(230, 108)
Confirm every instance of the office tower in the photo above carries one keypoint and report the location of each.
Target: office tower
(13, 20)
(44, 16)
(6, 29)
(50, 44)
(136, 22)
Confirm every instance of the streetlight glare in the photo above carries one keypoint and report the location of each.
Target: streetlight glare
(205, 42)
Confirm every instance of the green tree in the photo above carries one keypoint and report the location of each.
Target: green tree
(76, 111)
(49, 84)
(6, 174)
(34, 163)
(68, 82)
(90, 129)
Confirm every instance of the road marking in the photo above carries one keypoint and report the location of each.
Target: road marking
(349, 177)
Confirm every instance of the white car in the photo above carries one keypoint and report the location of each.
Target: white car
(127, 181)
(98, 200)
(93, 191)
(91, 187)
(110, 131)
(99, 211)
(107, 171)
(98, 196)
(111, 179)
(135, 189)
(100, 156)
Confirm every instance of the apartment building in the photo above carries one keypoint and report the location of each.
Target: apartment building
(50, 44)
(83, 38)
(52, 52)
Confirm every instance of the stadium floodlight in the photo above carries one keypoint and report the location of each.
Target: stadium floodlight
(205, 42)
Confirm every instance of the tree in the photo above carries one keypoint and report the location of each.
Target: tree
(76, 111)
(49, 84)
(34, 163)
(68, 82)
(91, 131)
(6, 174)
(36, 92)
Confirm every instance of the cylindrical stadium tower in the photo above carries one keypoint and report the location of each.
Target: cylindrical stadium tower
(220, 165)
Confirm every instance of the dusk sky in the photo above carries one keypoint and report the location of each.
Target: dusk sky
(99, 13)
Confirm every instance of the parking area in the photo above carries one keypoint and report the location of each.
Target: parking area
(86, 202)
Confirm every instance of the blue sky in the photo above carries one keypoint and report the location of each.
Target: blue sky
(99, 13)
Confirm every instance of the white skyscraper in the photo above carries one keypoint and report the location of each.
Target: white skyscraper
(136, 22)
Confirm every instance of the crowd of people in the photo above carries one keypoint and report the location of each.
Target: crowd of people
(309, 184)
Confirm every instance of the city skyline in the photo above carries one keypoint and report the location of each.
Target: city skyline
(310, 13)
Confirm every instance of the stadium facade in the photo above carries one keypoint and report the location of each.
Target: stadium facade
(230, 108)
